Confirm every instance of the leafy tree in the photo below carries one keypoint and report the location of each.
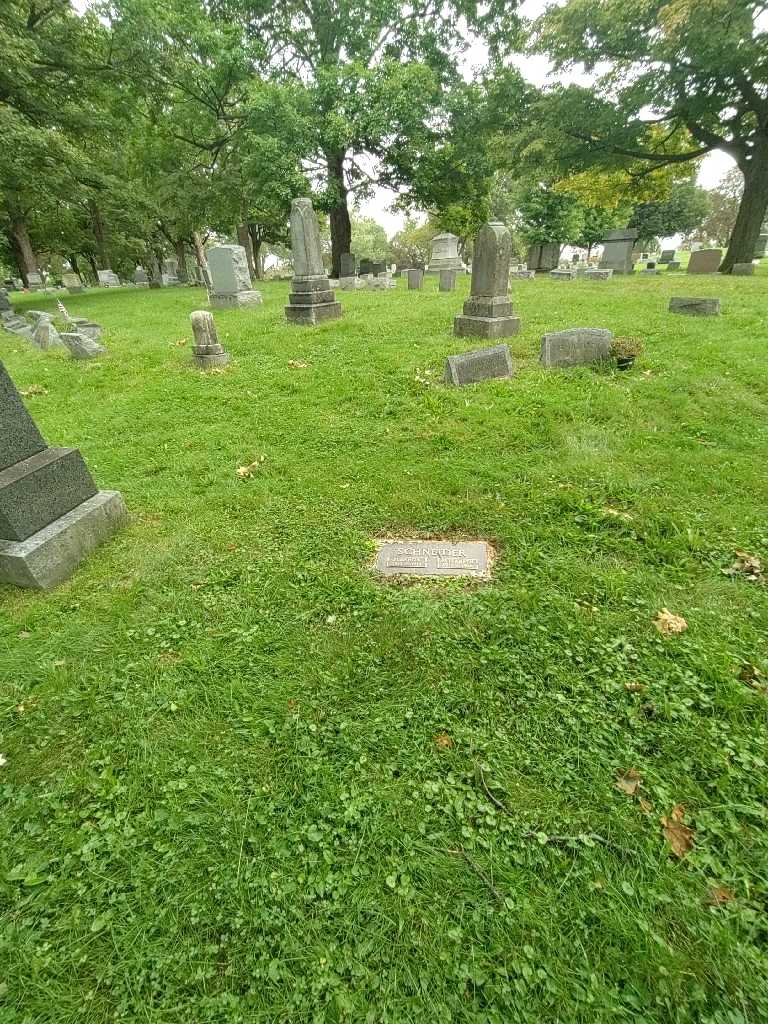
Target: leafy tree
(549, 216)
(684, 210)
(373, 72)
(597, 222)
(724, 202)
(369, 239)
(684, 77)
(412, 244)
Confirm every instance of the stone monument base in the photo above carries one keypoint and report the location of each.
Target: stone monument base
(312, 301)
(238, 300)
(51, 555)
(486, 318)
(486, 326)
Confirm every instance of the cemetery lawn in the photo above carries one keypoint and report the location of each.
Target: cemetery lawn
(246, 781)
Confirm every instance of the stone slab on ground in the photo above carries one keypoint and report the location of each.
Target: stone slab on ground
(743, 269)
(563, 274)
(694, 306)
(433, 558)
(51, 555)
(39, 489)
(81, 346)
(478, 365)
(594, 274)
(578, 346)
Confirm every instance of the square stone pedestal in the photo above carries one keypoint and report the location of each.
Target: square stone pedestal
(311, 302)
(486, 318)
(51, 555)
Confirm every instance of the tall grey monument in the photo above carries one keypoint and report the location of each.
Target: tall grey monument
(51, 513)
(311, 300)
(617, 251)
(488, 310)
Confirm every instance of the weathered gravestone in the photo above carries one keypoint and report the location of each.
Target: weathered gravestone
(72, 283)
(563, 274)
(543, 256)
(141, 277)
(5, 302)
(617, 251)
(352, 284)
(382, 282)
(207, 351)
(488, 310)
(34, 282)
(51, 514)
(170, 271)
(705, 261)
(521, 274)
(673, 265)
(415, 279)
(447, 280)
(445, 254)
(347, 266)
(311, 300)
(230, 278)
(433, 558)
(481, 364)
(667, 256)
(761, 249)
(81, 346)
(595, 274)
(45, 335)
(578, 346)
(743, 269)
(650, 267)
(695, 306)
(108, 279)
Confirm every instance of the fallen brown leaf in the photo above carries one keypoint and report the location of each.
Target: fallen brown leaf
(634, 687)
(677, 834)
(750, 674)
(443, 741)
(628, 782)
(645, 805)
(244, 472)
(669, 624)
(297, 364)
(34, 389)
(746, 565)
(181, 342)
(720, 894)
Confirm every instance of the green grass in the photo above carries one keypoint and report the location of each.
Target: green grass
(224, 800)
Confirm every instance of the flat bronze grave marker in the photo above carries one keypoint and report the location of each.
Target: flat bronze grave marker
(433, 558)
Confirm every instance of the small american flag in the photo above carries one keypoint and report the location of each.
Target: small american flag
(62, 309)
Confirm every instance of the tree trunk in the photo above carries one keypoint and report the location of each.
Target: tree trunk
(202, 263)
(75, 265)
(341, 227)
(589, 250)
(256, 243)
(181, 256)
(754, 203)
(94, 266)
(22, 245)
(99, 235)
(244, 238)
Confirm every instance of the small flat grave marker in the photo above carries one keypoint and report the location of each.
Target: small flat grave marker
(433, 558)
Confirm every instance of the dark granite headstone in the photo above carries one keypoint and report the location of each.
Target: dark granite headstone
(347, 268)
(51, 514)
(481, 364)
(667, 255)
(19, 437)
